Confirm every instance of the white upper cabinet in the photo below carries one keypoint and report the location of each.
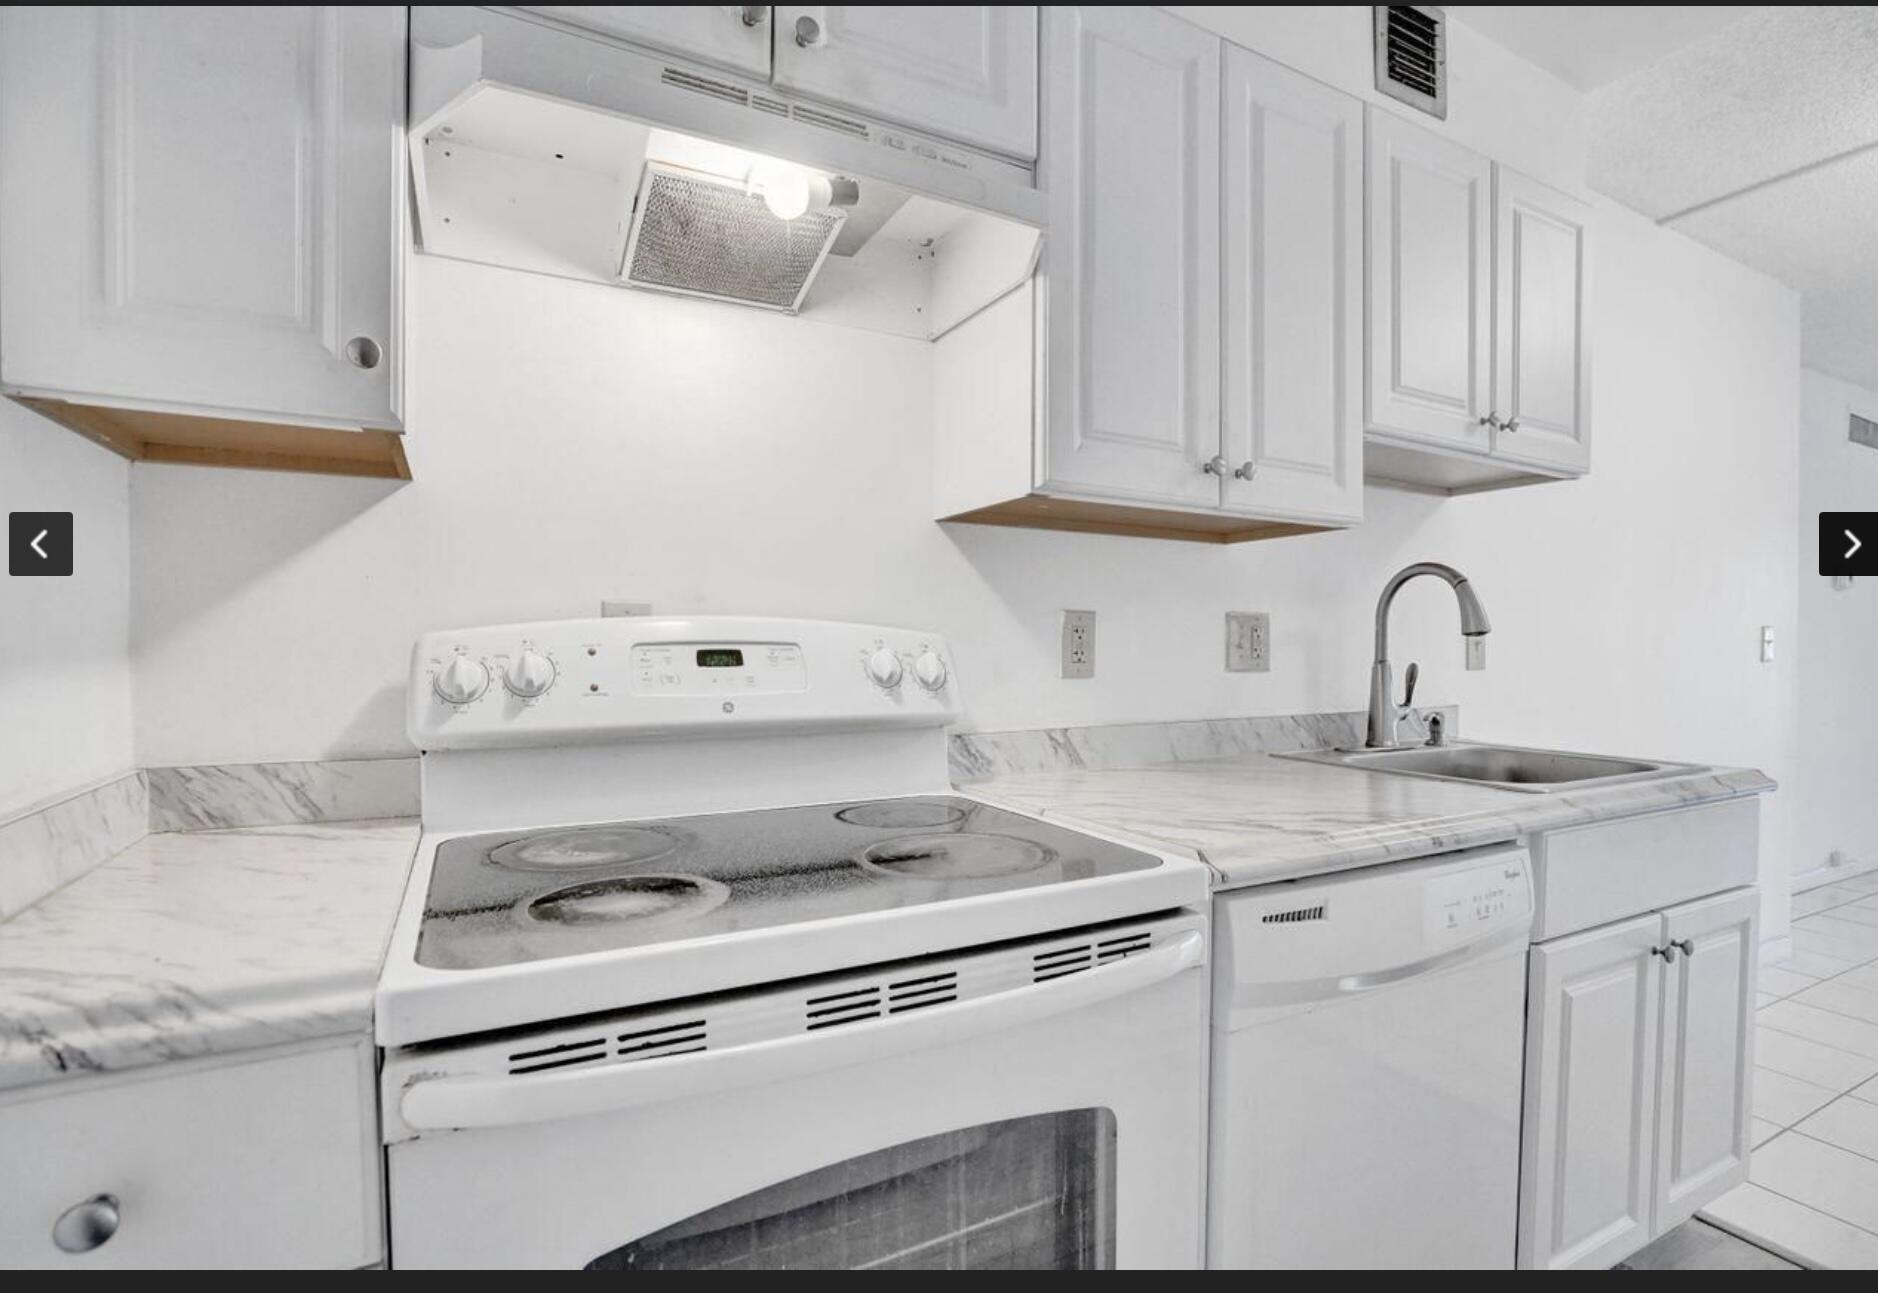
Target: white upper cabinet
(199, 210)
(1592, 1007)
(968, 72)
(1702, 1137)
(732, 36)
(1132, 167)
(1542, 377)
(1293, 347)
(1430, 267)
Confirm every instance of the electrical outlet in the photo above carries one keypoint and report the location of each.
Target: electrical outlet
(1248, 642)
(1079, 644)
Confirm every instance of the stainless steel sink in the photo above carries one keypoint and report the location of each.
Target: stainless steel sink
(1508, 767)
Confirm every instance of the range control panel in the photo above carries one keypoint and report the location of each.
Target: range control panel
(629, 678)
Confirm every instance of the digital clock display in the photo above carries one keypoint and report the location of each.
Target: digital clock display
(720, 658)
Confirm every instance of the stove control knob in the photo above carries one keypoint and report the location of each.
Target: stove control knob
(461, 681)
(930, 670)
(529, 674)
(885, 669)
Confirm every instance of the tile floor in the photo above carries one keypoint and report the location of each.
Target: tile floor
(1812, 1191)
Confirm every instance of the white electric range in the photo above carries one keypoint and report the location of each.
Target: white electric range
(703, 963)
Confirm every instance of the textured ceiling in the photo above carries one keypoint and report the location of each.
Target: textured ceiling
(1591, 45)
(1761, 140)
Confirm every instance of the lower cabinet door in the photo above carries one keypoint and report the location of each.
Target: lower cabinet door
(1588, 1137)
(1708, 1027)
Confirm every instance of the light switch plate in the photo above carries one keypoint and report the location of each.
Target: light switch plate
(1248, 642)
(1767, 644)
(1079, 644)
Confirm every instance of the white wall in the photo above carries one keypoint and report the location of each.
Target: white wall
(64, 642)
(1837, 654)
(575, 442)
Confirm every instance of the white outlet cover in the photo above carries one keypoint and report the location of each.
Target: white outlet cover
(1248, 642)
(1078, 644)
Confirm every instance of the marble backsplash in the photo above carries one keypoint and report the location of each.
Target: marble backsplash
(53, 845)
(45, 849)
(974, 755)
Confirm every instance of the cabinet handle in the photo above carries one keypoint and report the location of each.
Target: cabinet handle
(1687, 946)
(363, 352)
(1667, 953)
(1246, 470)
(808, 31)
(1492, 420)
(88, 1225)
(1510, 425)
(1216, 466)
(751, 15)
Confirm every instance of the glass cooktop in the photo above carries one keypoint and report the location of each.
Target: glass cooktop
(505, 898)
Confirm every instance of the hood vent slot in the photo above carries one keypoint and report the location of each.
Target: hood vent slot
(927, 990)
(698, 235)
(656, 1043)
(839, 1008)
(1412, 56)
(704, 85)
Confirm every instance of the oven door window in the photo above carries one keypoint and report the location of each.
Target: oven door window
(1034, 1193)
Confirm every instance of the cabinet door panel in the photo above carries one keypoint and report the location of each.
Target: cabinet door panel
(1591, 1049)
(1702, 1138)
(1428, 286)
(732, 36)
(1132, 169)
(968, 72)
(1292, 354)
(1541, 360)
(200, 207)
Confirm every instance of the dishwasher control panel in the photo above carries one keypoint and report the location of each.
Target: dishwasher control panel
(1459, 904)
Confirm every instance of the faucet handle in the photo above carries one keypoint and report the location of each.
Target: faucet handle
(1409, 680)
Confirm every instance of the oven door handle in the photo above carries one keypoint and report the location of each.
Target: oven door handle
(447, 1103)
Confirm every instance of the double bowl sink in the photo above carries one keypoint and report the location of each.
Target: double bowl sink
(1506, 767)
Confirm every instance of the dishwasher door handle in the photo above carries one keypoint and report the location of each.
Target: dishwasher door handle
(448, 1103)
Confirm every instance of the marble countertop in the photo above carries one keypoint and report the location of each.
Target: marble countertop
(1256, 818)
(201, 943)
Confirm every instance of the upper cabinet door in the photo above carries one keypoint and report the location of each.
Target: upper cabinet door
(1131, 163)
(199, 208)
(968, 72)
(1542, 367)
(1591, 1050)
(1702, 1138)
(1293, 239)
(732, 36)
(1430, 265)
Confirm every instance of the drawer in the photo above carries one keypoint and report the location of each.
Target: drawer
(268, 1162)
(1591, 875)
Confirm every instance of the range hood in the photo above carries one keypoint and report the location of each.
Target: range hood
(538, 148)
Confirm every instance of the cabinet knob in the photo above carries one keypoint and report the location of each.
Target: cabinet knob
(88, 1225)
(1216, 466)
(363, 352)
(1246, 470)
(1492, 420)
(1687, 946)
(809, 32)
(751, 15)
(1510, 425)
(1667, 953)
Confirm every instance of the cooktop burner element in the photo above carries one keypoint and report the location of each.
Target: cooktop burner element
(595, 846)
(955, 857)
(670, 881)
(631, 897)
(902, 814)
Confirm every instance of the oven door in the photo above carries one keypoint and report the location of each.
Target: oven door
(1051, 1117)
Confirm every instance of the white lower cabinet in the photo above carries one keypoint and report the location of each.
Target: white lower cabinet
(264, 1161)
(1637, 1055)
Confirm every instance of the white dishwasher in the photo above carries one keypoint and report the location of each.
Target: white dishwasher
(1368, 1032)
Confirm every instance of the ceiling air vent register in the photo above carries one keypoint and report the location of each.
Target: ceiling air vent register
(1412, 56)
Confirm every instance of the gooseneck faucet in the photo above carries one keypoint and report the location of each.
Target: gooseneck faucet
(1383, 713)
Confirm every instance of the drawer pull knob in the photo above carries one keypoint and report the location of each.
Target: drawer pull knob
(88, 1225)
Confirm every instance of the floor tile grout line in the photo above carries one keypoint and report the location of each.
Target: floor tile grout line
(1802, 1203)
(1775, 1028)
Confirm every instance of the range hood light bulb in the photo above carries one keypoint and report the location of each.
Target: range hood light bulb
(789, 191)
